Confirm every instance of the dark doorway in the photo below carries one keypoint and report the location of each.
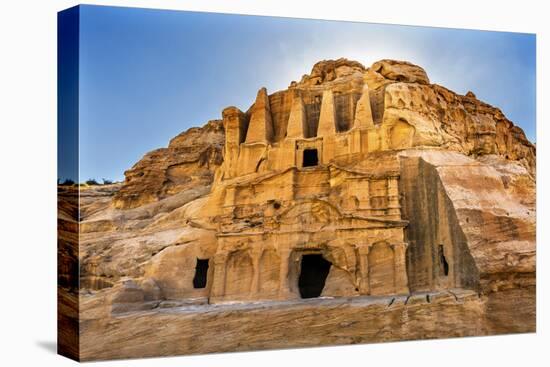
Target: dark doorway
(313, 274)
(201, 272)
(311, 158)
(443, 264)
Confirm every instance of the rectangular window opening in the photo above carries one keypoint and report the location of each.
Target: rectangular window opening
(311, 158)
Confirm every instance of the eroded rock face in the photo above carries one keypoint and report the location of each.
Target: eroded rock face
(484, 230)
(353, 182)
(189, 160)
(388, 71)
(329, 70)
(323, 322)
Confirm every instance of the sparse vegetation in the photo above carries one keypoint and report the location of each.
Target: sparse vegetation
(88, 182)
(66, 182)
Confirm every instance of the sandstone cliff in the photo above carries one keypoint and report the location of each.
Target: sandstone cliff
(400, 92)
(189, 160)
(405, 187)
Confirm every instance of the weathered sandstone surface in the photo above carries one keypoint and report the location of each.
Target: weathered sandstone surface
(306, 323)
(189, 161)
(402, 209)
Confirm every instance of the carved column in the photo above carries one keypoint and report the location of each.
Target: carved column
(364, 286)
(400, 268)
(394, 208)
(256, 254)
(217, 292)
(284, 291)
(364, 191)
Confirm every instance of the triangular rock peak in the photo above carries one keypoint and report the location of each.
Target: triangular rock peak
(261, 125)
(297, 121)
(363, 112)
(327, 116)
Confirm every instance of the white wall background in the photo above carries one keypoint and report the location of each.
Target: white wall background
(28, 179)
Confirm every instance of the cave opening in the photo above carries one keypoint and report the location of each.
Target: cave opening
(443, 264)
(201, 273)
(311, 158)
(313, 275)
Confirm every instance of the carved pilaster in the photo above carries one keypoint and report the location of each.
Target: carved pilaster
(217, 291)
(256, 254)
(364, 286)
(393, 192)
(284, 289)
(400, 269)
(365, 198)
(394, 207)
(393, 189)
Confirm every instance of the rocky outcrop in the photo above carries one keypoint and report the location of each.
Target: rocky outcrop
(393, 186)
(68, 246)
(483, 228)
(330, 70)
(406, 108)
(189, 160)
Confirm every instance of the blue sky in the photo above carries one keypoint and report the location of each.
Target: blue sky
(147, 75)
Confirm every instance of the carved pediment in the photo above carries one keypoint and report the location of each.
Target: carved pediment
(312, 215)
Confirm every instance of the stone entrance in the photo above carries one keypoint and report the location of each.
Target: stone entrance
(314, 269)
(201, 273)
